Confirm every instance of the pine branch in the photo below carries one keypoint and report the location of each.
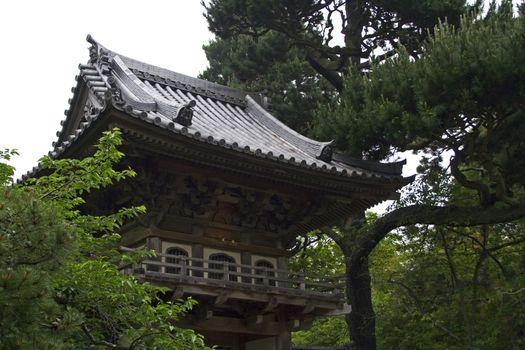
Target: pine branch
(452, 215)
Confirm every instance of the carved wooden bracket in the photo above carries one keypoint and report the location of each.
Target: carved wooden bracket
(197, 197)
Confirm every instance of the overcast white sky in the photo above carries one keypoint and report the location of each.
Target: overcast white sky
(44, 41)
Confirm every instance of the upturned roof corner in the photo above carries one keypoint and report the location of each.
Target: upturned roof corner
(231, 119)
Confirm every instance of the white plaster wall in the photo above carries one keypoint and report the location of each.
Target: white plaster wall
(262, 344)
(209, 251)
(166, 245)
(255, 258)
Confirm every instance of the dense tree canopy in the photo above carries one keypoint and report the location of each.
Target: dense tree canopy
(332, 34)
(60, 281)
(409, 101)
(452, 287)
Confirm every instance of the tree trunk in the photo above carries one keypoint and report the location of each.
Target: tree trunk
(361, 320)
(357, 247)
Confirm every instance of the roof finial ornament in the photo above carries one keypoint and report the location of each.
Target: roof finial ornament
(266, 101)
(185, 113)
(93, 49)
(98, 55)
(327, 152)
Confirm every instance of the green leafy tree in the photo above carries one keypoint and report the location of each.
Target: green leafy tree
(34, 241)
(6, 170)
(296, 53)
(60, 281)
(319, 255)
(448, 100)
(456, 287)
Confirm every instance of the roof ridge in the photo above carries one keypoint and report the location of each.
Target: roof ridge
(169, 77)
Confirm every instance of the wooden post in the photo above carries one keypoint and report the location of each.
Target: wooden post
(265, 278)
(183, 269)
(282, 265)
(246, 259)
(226, 269)
(197, 251)
(283, 340)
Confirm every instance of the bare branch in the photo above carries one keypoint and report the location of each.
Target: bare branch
(86, 331)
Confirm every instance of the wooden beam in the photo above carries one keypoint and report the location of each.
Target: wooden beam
(222, 298)
(231, 325)
(293, 325)
(178, 292)
(237, 306)
(343, 310)
(254, 320)
(308, 308)
(299, 324)
(204, 312)
(271, 305)
(138, 234)
(306, 323)
(243, 296)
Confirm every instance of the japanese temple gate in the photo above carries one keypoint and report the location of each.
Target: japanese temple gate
(228, 189)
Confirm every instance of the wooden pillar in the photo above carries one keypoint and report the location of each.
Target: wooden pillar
(283, 340)
(282, 266)
(197, 250)
(246, 259)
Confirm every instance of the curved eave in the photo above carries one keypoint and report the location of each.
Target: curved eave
(142, 101)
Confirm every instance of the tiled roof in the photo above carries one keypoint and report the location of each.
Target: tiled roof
(208, 112)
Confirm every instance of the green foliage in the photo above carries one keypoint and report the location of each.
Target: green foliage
(453, 290)
(464, 94)
(295, 52)
(313, 25)
(6, 170)
(320, 255)
(34, 242)
(449, 288)
(60, 281)
(460, 93)
(325, 331)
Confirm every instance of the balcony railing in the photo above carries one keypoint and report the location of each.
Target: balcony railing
(183, 269)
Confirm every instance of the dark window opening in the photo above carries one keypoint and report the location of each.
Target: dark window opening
(178, 255)
(219, 262)
(265, 268)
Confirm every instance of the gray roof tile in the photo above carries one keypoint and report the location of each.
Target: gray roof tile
(226, 117)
